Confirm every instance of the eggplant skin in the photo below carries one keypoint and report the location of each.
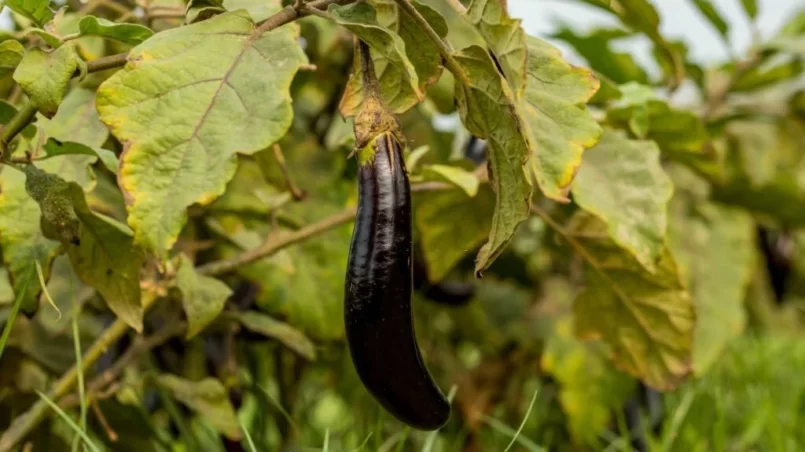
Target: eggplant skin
(377, 302)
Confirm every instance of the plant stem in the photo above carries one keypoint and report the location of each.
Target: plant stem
(281, 241)
(107, 62)
(296, 193)
(21, 120)
(447, 54)
(368, 75)
(293, 12)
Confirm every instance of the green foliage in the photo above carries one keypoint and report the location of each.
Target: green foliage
(191, 163)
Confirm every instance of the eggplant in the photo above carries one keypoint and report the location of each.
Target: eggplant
(378, 312)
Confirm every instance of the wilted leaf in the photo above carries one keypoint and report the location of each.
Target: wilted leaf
(714, 246)
(270, 327)
(21, 236)
(203, 297)
(450, 226)
(558, 126)
(505, 38)
(488, 110)
(646, 319)
(197, 104)
(44, 76)
(107, 260)
(37, 10)
(622, 183)
(208, 398)
(11, 53)
(58, 221)
(455, 175)
(399, 82)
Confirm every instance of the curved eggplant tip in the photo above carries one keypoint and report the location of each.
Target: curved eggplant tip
(432, 419)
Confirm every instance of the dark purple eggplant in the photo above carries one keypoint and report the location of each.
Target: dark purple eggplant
(378, 310)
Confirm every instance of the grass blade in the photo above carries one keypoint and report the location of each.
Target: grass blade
(249, 441)
(525, 418)
(15, 309)
(69, 422)
(676, 421)
(78, 358)
(431, 439)
(45, 288)
(326, 447)
(515, 435)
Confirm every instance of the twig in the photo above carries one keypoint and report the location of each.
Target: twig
(447, 55)
(281, 241)
(107, 62)
(111, 434)
(293, 12)
(297, 194)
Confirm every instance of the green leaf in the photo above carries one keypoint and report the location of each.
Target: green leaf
(396, 73)
(37, 10)
(646, 319)
(712, 15)
(714, 246)
(750, 7)
(259, 10)
(203, 297)
(270, 327)
(11, 53)
(49, 38)
(590, 389)
(766, 76)
(557, 124)
(208, 398)
(21, 236)
(677, 132)
(450, 226)
(595, 49)
(198, 10)
(131, 34)
(249, 193)
(623, 184)
(505, 38)
(193, 79)
(107, 260)
(55, 148)
(488, 110)
(77, 120)
(457, 176)
(44, 76)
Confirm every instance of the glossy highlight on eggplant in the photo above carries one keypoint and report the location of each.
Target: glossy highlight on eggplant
(377, 310)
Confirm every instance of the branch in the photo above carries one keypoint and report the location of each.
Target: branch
(293, 12)
(24, 116)
(271, 246)
(296, 193)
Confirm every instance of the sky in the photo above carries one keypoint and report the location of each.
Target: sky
(679, 20)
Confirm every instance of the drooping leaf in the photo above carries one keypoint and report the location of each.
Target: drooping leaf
(203, 297)
(558, 126)
(454, 175)
(450, 226)
(208, 398)
(622, 183)
(106, 259)
(21, 236)
(488, 110)
(268, 326)
(714, 248)
(11, 53)
(37, 10)
(44, 76)
(399, 82)
(131, 34)
(710, 12)
(177, 151)
(646, 319)
(505, 38)
(55, 148)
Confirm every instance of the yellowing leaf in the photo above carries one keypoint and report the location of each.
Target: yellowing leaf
(203, 297)
(11, 53)
(21, 236)
(197, 102)
(37, 10)
(556, 121)
(455, 175)
(646, 319)
(399, 82)
(622, 183)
